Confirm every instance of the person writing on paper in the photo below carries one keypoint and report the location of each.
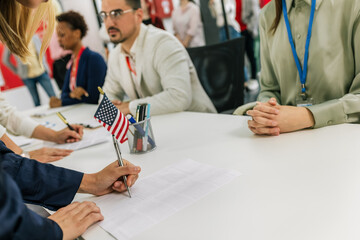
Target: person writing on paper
(23, 179)
(18, 124)
(305, 82)
(87, 70)
(148, 65)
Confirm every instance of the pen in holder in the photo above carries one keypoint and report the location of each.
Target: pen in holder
(141, 136)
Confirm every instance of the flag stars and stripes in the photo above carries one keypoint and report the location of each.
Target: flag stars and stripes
(112, 119)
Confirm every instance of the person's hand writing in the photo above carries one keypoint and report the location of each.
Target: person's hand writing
(46, 155)
(110, 179)
(78, 92)
(55, 102)
(67, 136)
(75, 218)
(122, 106)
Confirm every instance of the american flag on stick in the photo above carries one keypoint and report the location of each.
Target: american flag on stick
(112, 119)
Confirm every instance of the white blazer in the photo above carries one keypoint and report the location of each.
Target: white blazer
(165, 75)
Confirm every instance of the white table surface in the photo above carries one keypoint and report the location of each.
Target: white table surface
(301, 185)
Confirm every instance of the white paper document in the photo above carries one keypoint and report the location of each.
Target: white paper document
(159, 196)
(21, 141)
(90, 138)
(90, 124)
(46, 112)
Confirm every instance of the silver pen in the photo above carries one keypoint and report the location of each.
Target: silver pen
(121, 163)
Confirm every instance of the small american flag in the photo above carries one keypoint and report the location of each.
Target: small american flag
(112, 119)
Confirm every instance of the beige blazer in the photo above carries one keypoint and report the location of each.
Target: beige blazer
(165, 75)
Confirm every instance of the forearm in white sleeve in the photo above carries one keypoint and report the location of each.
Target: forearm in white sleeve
(14, 121)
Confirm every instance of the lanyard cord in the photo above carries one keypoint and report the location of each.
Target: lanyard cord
(129, 65)
(302, 72)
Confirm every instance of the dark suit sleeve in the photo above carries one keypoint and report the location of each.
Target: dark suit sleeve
(91, 75)
(96, 77)
(17, 221)
(65, 92)
(39, 183)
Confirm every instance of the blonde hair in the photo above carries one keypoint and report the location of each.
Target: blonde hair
(18, 25)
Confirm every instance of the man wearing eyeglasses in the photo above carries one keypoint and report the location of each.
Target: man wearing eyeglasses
(148, 65)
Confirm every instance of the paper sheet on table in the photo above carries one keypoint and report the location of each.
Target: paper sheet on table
(49, 111)
(90, 138)
(21, 141)
(90, 124)
(159, 196)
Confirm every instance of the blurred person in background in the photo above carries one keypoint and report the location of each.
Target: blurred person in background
(247, 15)
(149, 16)
(230, 11)
(60, 56)
(32, 72)
(187, 24)
(87, 69)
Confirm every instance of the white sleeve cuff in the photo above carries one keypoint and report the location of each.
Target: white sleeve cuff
(27, 127)
(2, 131)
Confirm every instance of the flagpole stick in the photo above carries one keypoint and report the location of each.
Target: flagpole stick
(120, 160)
(116, 144)
(101, 91)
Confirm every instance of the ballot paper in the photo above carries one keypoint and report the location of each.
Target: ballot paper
(49, 111)
(159, 196)
(21, 141)
(90, 138)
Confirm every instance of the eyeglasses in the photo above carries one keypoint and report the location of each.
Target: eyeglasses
(114, 14)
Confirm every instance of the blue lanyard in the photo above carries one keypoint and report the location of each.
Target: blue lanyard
(302, 72)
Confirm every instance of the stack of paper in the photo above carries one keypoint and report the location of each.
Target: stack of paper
(46, 112)
(90, 138)
(159, 196)
(21, 141)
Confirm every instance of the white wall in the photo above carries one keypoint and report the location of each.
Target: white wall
(86, 8)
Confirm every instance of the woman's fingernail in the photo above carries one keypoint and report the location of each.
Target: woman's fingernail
(136, 168)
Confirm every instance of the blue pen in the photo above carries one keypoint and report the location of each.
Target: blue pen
(139, 128)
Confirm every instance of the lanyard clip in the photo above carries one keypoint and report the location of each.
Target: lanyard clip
(303, 95)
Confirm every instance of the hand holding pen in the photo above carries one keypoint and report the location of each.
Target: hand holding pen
(121, 163)
(73, 133)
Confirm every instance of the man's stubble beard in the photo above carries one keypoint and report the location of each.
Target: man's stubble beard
(118, 40)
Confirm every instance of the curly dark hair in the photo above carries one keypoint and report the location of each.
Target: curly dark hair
(75, 21)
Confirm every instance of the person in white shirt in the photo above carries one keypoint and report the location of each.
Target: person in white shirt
(148, 65)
